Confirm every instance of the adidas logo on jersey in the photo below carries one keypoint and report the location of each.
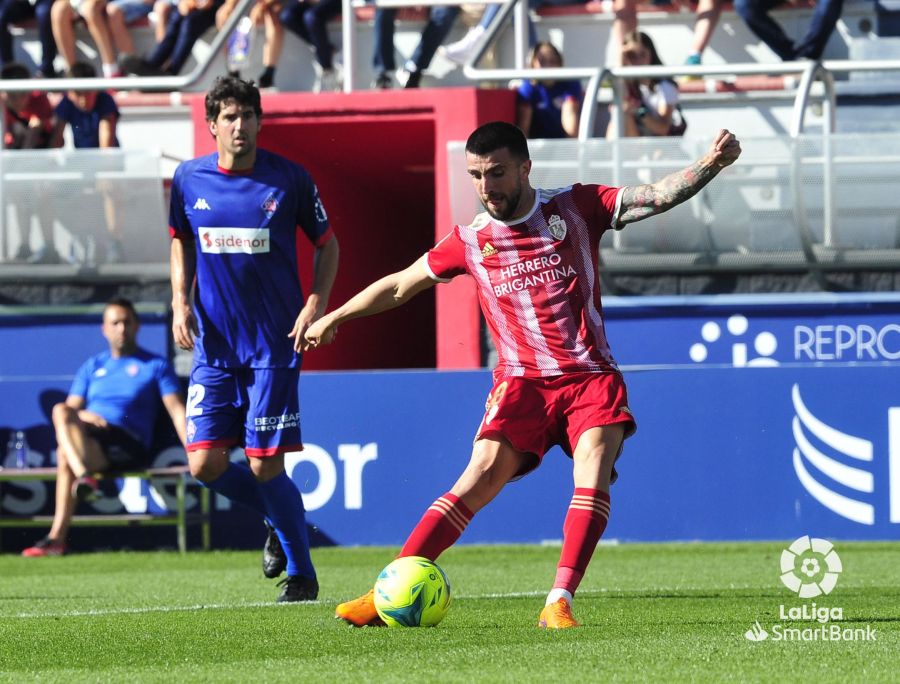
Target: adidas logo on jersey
(488, 250)
(201, 204)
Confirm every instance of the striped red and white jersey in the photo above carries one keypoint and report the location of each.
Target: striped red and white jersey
(538, 280)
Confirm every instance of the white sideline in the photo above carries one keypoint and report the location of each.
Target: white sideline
(270, 604)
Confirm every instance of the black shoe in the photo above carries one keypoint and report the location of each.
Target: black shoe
(413, 80)
(274, 560)
(383, 81)
(266, 78)
(86, 488)
(296, 588)
(137, 66)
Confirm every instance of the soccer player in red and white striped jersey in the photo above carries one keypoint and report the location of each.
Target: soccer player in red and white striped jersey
(533, 256)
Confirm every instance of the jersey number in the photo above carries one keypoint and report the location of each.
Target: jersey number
(195, 396)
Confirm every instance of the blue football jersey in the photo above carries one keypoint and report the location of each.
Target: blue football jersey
(126, 391)
(245, 229)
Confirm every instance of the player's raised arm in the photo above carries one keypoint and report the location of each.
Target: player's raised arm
(387, 293)
(641, 201)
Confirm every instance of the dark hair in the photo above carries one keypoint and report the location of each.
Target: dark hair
(124, 302)
(81, 70)
(497, 135)
(231, 88)
(635, 37)
(14, 70)
(544, 45)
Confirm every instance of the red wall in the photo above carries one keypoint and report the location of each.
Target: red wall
(379, 160)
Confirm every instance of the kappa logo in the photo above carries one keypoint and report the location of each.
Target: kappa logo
(488, 250)
(557, 227)
(201, 203)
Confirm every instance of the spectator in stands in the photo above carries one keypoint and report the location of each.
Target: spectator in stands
(624, 24)
(708, 12)
(120, 15)
(264, 13)
(107, 421)
(162, 10)
(192, 19)
(651, 105)
(308, 19)
(92, 117)
(14, 11)
(462, 49)
(436, 30)
(28, 125)
(825, 17)
(64, 15)
(548, 109)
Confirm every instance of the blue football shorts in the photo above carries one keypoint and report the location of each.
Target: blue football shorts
(257, 408)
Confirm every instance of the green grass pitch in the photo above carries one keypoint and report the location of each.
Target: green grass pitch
(668, 612)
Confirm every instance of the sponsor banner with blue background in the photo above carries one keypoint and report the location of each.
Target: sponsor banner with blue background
(746, 438)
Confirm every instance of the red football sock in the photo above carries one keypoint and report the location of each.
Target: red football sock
(585, 523)
(441, 525)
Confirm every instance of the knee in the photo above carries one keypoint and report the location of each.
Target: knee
(206, 467)
(92, 11)
(265, 469)
(62, 413)
(61, 11)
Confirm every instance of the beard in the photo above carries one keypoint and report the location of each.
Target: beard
(508, 209)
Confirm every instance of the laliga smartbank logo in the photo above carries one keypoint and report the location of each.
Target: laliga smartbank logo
(810, 567)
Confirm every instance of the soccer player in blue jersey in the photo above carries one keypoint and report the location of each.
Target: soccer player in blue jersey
(107, 421)
(235, 216)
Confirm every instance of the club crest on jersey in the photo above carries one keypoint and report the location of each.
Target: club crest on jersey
(557, 227)
(270, 206)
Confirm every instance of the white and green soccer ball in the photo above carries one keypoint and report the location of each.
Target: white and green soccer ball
(412, 592)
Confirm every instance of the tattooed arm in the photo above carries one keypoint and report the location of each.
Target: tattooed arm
(642, 201)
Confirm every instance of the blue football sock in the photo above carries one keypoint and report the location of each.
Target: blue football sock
(238, 484)
(284, 508)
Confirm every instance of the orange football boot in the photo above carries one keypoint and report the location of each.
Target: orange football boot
(557, 616)
(360, 612)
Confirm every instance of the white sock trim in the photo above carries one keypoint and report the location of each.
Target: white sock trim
(558, 593)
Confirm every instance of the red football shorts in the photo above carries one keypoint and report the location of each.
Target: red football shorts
(535, 414)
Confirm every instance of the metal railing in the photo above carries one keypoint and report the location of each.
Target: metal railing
(142, 83)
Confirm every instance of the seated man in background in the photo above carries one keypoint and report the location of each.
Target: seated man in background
(106, 423)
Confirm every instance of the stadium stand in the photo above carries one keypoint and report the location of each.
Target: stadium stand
(803, 203)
